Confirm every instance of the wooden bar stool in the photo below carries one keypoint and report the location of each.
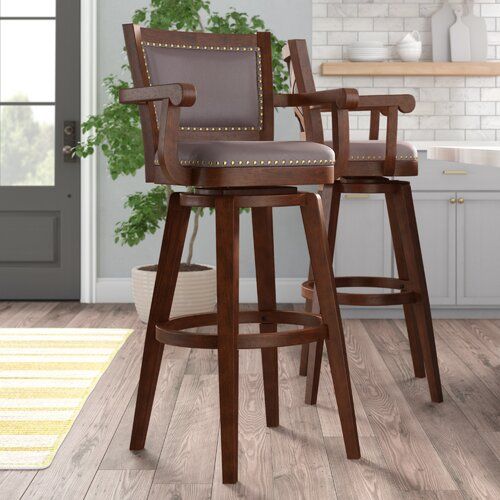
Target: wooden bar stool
(216, 133)
(369, 167)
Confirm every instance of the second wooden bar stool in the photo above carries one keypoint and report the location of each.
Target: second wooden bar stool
(369, 167)
(215, 133)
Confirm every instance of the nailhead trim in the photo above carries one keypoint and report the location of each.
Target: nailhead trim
(254, 163)
(400, 157)
(220, 49)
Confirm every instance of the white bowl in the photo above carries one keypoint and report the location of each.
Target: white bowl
(409, 53)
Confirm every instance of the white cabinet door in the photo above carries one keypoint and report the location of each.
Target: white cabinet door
(478, 248)
(436, 219)
(363, 246)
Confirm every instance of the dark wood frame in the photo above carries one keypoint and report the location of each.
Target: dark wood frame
(297, 58)
(411, 285)
(228, 190)
(161, 142)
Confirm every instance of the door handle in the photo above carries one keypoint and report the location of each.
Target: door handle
(359, 196)
(69, 141)
(455, 172)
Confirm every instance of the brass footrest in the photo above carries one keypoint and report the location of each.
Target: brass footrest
(172, 332)
(367, 299)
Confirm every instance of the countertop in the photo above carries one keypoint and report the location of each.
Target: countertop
(466, 145)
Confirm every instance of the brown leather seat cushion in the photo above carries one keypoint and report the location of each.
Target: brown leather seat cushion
(255, 154)
(367, 159)
(375, 151)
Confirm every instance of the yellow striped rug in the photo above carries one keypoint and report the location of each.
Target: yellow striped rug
(46, 375)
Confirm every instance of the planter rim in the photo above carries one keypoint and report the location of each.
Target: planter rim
(210, 268)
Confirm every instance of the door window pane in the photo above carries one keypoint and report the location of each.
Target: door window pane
(27, 8)
(27, 145)
(27, 61)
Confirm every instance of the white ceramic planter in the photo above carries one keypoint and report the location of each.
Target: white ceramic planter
(196, 292)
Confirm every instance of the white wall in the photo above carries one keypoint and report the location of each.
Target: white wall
(448, 108)
(288, 19)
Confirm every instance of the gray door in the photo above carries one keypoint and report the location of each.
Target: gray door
(39, 184)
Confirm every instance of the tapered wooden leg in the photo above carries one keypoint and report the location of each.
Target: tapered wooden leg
(262, 221)
(330, 198)
(320, 254)
(227, 231)
(409, 309)
(166, 278)
(413, 254)
(304, 353)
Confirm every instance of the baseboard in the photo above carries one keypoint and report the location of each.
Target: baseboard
(119, 290)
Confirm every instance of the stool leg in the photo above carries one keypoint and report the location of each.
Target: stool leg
(330, 198)
(409, 309)
(227, 232)
(166, 278)
(413, 254)
(304, 352)
(262, 222)
(320, 254)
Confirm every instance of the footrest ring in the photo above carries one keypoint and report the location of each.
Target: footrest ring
(367, 299)
(173, 332)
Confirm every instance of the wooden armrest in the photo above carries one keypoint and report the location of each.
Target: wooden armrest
(178, 94)
(404, 102)
(341, 98)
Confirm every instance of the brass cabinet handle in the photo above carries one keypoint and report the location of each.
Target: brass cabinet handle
(455, 172)
(461, 201)
(356, 196)
(453, 201)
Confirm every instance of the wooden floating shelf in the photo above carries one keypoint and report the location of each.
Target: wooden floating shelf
(410, 68)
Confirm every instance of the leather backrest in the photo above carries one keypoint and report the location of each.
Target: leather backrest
(227, 82)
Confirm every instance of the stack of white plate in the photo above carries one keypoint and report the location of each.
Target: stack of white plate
(368, 51)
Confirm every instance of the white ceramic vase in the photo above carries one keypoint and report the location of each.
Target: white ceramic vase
(196, 292)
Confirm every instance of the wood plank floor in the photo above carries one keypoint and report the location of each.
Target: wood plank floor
(411, 448)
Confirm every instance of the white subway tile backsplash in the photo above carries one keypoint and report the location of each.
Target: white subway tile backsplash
(358, 24)
(404, 10)
(480, 81)
(465, 122)
(434, 94)
(450, 108)
(447, 108)
(480, 135)
(374, 10)
(450, 135)
(490, 94)
(480, 108)
(435, 122)
(450, 81)
(490, 122)
(465, 94)
(388, 24)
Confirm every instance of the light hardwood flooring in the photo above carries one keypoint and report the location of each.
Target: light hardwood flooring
(412, 449)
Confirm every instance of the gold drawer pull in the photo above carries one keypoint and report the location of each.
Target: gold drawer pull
(461, 201)
(453, 201)
(356, 196)
(455, 172)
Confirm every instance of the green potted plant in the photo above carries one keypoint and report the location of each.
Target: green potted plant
(116, 131)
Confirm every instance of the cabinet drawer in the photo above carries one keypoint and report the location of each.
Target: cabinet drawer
(435, 175)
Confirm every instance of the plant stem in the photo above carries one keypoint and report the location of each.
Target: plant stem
(193, 237)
